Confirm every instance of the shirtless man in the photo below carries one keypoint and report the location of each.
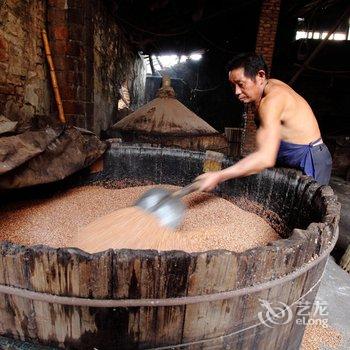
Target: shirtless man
(288, 132)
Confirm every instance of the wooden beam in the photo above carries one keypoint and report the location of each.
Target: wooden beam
(319, 47)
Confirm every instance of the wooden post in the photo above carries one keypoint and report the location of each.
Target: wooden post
(53, 78)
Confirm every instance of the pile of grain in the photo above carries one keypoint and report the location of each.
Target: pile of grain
(210, 223)
(317, 336)
(129, 227)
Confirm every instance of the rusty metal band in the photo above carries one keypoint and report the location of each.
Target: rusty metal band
(112, 303)
(244, 329)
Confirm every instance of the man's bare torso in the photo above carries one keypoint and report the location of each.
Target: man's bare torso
(298, 122)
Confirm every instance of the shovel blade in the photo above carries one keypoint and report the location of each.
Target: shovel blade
(169, 210)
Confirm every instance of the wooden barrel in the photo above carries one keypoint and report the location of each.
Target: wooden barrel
(198, 142)
(142, 299)
(234, 137)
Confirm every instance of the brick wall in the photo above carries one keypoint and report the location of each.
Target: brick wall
(67, 30)
(265, 44)
(115, 65)
(93, 59)
(249, 133)
(91, 56)
(265, 40)
(24, 87)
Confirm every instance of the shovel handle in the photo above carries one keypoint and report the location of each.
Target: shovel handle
(194, 186)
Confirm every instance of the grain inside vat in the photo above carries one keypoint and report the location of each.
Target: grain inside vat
(211, 222)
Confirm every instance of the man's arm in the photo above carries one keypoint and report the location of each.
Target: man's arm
(267, 139)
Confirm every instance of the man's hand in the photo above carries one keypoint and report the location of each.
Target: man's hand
(208, 181)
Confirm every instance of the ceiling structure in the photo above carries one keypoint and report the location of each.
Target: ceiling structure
(226, 26)
(319, 15)
(166, 26)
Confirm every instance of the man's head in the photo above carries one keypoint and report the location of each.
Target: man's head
(248, 74)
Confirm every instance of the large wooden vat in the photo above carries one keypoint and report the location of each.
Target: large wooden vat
(127, 299)
(202, 142)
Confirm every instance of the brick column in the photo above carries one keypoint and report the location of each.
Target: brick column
(265, 40)
(265, 44)
(68, 26)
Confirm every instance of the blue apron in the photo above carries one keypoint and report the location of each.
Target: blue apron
(314, 161)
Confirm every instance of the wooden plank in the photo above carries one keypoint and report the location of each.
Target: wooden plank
(291, 254)
(149, 282)
(71, 273)
(284, 296)
(7, 316)
(265, 336)
(173, 282)
(210, 272)
(290, 291)
(147, 274)
(125, 280)
(17, 314)
(258, 264)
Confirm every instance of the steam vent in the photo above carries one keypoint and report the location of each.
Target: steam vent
(167, 122)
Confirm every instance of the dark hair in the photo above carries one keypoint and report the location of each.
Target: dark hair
(251, 62)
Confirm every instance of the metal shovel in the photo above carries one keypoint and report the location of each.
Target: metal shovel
(165, 205)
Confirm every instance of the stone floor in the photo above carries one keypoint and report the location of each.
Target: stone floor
(342, 190)
(335, 292)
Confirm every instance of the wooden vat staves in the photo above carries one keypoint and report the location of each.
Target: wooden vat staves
(138, 299)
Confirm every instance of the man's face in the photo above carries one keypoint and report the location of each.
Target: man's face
(246, 89)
